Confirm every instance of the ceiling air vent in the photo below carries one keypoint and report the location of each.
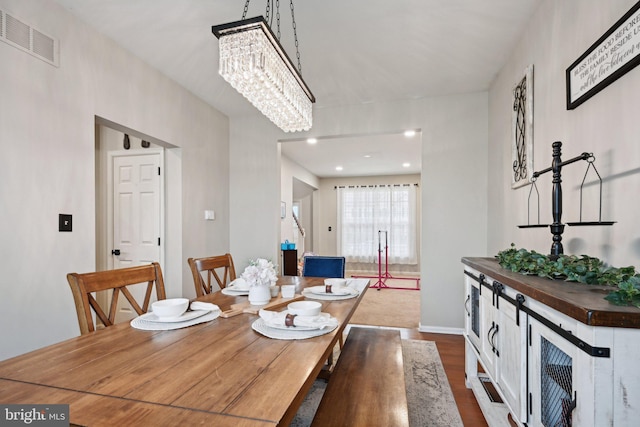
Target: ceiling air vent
(26, 38)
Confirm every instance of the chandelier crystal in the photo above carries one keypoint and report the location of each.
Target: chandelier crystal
(255, 64)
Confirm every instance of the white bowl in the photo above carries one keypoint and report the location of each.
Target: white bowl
(168, 308)
(304, 308)
(336, 282)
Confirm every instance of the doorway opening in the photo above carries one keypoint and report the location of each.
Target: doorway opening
(134, 195)
(356, 160)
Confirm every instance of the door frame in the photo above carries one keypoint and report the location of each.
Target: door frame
(111, 155)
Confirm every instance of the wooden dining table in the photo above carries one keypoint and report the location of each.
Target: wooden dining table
(218, 373)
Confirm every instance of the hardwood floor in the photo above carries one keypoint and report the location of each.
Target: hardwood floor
(451, 349)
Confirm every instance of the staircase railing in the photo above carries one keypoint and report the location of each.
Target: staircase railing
(297, 221)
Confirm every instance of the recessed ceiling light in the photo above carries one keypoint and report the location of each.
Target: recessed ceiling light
(409, 133)
(311, 140)
(367, 156)
(338, 168)
(406, 164)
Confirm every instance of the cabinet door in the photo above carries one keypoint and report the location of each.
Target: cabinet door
(472, 311)
(290, 262)
(551, 377)
(488, 333)
(511, 341)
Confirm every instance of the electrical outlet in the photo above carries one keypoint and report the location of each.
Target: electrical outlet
(64, 222)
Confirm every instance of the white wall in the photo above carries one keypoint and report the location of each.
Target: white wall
(453, 186)
(607, 125)
(254, 201)
(47, 167)
(454, 203)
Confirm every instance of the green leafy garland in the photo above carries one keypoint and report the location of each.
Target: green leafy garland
(571, 268)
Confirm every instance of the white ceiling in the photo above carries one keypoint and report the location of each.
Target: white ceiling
(358, 155)
(352, 52)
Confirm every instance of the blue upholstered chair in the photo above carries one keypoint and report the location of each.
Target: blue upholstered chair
(323, 266)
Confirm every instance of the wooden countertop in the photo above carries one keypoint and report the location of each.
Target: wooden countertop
(584, 303)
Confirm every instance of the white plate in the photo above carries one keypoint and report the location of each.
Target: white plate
(322, 290)
(145, 325)
(189, 315)
(238, 285)
(234, 292)
(292, 328)
(327, 297)
(287, 334)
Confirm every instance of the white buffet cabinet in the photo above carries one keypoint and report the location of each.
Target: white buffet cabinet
(549, 353)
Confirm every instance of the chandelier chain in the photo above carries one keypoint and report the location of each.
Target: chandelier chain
(246, 9)
(278, 17)
(268, 12)
(277, 9)
(295, 37)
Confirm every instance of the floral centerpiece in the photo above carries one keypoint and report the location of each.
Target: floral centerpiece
(260, 274)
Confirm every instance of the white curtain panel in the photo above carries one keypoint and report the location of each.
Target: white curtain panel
(365, 211)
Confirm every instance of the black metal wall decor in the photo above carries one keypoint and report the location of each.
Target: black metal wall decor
(608, 59)
(522, 131)
(557, 227)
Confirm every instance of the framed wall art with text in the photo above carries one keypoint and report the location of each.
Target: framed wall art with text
(608, 59)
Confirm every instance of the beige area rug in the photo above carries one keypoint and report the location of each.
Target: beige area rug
(430, 401)
(388, 307)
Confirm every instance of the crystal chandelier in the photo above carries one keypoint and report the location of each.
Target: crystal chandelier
(256, 65)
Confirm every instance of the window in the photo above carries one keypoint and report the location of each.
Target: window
(364, 211)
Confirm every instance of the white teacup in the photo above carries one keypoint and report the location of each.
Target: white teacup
(274, 290)
(288, 291)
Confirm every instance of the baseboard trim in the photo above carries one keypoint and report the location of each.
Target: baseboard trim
(440, 330)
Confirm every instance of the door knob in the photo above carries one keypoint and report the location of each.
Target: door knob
(115, 252)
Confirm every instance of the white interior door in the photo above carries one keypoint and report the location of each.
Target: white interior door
(137, 214)
(136, 209)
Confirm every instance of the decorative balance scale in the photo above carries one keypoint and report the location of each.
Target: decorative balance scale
(557, 228)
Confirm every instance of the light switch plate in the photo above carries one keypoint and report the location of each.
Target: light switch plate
(209, 215)
(64, 222)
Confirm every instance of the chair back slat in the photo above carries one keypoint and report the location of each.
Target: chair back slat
(219, 268)
(93, 304)
(133, 302)
(83, 285)
(113, 308)
(214, 274)
(147, 297)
